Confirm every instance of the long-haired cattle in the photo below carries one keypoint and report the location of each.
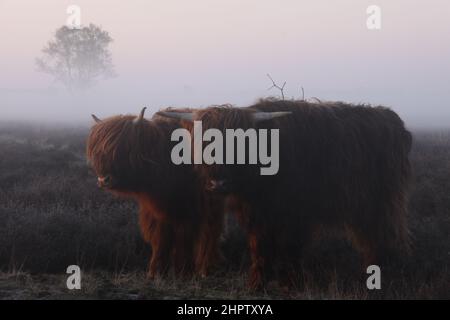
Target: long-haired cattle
(131, 157)
(341, 166)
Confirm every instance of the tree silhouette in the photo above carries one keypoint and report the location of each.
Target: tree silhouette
(78, 57)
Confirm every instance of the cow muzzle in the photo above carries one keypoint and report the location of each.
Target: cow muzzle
(104, 182)
(219, 186)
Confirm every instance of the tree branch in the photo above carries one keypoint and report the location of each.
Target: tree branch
(274, 85)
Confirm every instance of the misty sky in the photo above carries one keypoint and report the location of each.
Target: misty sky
(200, 52)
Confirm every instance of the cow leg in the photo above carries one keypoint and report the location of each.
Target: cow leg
(159, 233)
(258, 240)
(382, 241)
(162, 246)
(261, 256)
(292, 242)
(184, 249)
(208, 251)
(204, 252)
(151, 232)
(289, 260)
(364, 245)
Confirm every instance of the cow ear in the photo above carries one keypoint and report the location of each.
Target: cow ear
(96, 119)
(261, 116)
(189, 116)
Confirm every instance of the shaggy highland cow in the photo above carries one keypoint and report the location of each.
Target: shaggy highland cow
(131, 157)
(341, 166)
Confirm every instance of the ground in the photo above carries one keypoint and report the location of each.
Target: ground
(52, 215)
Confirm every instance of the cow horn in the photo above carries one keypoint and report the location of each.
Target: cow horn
(261, 116)
(141, 115)
(96, 119)
(177, 115)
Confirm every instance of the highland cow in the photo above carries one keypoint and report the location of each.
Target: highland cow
(131, 157)
(341, 166)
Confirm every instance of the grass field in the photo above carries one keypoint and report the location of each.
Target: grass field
(52, 215)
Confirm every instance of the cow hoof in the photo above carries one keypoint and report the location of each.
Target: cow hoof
(151, 275)
(255, 283)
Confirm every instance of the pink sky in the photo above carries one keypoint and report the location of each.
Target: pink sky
(201, 52)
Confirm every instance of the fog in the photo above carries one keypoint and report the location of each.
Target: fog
(197, 53)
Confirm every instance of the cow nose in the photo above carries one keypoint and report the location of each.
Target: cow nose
(103, 182)
(217, 185)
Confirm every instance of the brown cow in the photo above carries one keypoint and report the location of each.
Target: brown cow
(131, 157)
(341, 166)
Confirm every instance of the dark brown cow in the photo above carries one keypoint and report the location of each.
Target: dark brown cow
(131, 157)
(341, 166)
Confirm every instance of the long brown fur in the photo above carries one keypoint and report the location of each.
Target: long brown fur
(341, 165)
(180, 222)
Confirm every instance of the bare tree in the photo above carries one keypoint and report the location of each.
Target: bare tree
(77, 57)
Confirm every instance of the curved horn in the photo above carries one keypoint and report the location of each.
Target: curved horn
(177, 115)
(96, 119)
(141, 115)
(261, 116)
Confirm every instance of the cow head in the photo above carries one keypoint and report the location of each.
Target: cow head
(119, 150)
(226, 178)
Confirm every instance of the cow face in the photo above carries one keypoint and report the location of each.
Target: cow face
(230, 176)
(226, 179)
(119, 151)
